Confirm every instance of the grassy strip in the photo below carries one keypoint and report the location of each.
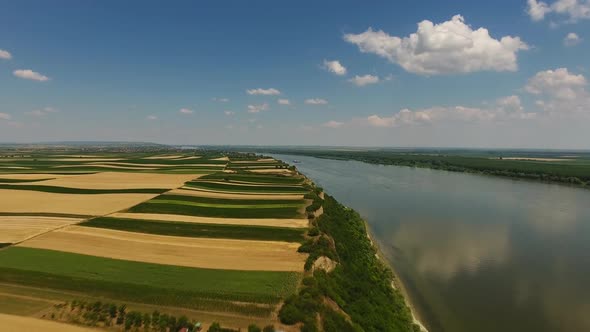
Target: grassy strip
(219, 212)
(80, 191)
(223, 206)
(43, 214)
(141, 282)
(2, 245)
(22, 180)
(360, 284)
(255, 178)
(241, 188)
(210, 200)
(245, 232)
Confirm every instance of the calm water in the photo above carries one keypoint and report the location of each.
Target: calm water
(475, 253)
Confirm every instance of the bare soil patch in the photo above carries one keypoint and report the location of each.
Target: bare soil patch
(171, 250)
(293, 223)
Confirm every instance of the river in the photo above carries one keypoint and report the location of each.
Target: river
(474, 253)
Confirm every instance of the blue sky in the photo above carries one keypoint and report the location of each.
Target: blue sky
(124, 70)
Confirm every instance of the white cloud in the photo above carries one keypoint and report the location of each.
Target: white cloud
(186, 111)
(264, 92)
(560, 92)
(445, 48)
(333, 124)
(573, 10)
(5, 116)
(316, 101)
(284, 102)
(558, 83)
(505, 109)
(43, 112)
(257, 108)
(221, 100)
(364, 80)
(334, 67)
(152, 117)
(572, 39)
(229, 113)
(30, 75)
(5, 55)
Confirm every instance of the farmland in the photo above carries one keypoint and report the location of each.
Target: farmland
(171, 230)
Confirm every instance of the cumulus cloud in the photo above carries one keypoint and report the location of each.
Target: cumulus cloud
(558, 83)
(264, 92)
(5, 55)
(229, 113)
(504, 109)
(221, 100)
(445, 48)
(573, 10)
(364, 80)
(30, 75)
(333, 124)
(152, 117)
(560, 92)
(316, 101)
(572, 39)
(284, 102)
(186, 111)
(43, 112)
(257, 108)
(334, 67)
(5, 116)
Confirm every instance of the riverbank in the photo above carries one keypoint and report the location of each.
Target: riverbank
(396, 283)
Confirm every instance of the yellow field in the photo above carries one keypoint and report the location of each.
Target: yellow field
(15, 229)
(27, 201)
(171, 250)
(117, 180)
(10, 323)
(213, 194)
(291, 223)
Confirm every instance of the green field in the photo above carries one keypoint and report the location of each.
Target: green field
(22, 180)
(229, 201)
(247, 189)
(245, 232)
(79, 191)
(195, 288)
(219, 212)
(254, 178)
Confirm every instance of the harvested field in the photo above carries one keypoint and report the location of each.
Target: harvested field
(164, 157)
(14, 229)
(170, 250)
(98, 166)
(221, 158)
(80, 159)
(19, 323)
(117, 180)
(239, 184)
(213, 194)
(296, 223)
(251, 194)
(26, 201)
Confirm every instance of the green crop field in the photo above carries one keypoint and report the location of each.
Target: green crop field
(208, 200)
(248, 189)
(144, 282)
(243, 232)
(236, 205)
(220, 212)
(22, 180)
(254, 178)
(79, 191)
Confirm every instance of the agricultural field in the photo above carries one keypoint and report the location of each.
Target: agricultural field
(192, 233)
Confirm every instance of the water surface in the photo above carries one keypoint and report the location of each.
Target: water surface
(475, 253)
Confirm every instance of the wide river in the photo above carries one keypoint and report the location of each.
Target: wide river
(475, 253)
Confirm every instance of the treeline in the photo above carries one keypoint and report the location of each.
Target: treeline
(576, 173)
(357, 295)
